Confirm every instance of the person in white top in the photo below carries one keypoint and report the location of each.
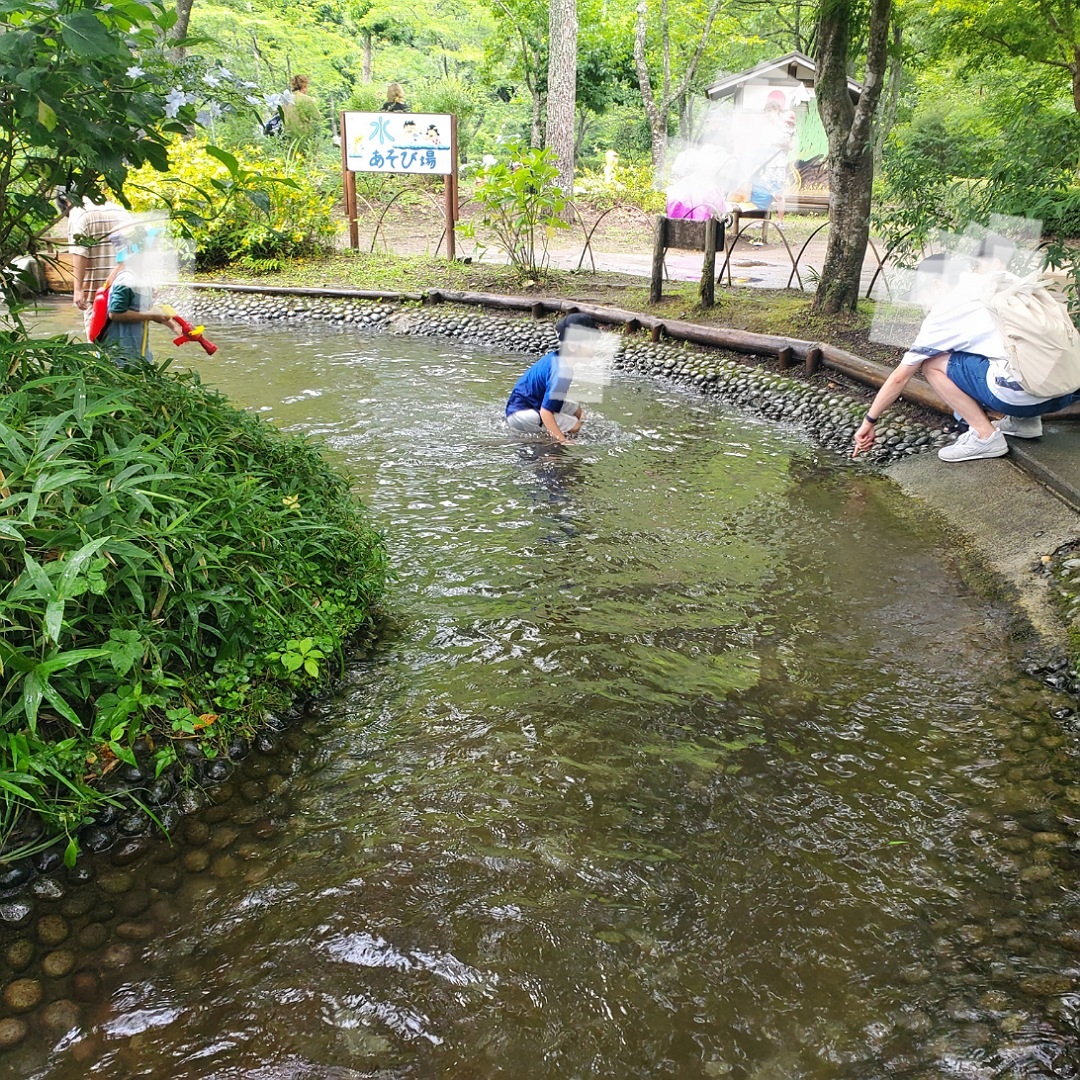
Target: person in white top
(92, 253)
(961, 352)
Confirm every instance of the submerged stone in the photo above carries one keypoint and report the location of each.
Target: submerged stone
(60, 1016)
(12, 1032)
(86, 985)
(22, 995)
(52, 930)
(57, 964)
(19, 954)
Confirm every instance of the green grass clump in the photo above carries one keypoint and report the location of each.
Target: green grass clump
(171, 568)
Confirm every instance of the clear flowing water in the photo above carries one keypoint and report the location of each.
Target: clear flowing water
(686, 751)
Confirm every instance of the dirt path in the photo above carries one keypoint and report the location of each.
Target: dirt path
(618, 240)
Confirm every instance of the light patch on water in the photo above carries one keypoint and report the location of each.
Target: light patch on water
(136, 1021)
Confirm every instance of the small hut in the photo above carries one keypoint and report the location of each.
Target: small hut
(790, 77)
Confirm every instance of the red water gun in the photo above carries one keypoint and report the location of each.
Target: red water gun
(190, 333)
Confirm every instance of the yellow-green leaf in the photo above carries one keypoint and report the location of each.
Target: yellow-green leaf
(46, 115)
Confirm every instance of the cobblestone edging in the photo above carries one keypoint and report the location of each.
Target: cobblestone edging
(817, 407)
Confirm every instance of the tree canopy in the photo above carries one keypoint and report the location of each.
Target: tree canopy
(85, 94)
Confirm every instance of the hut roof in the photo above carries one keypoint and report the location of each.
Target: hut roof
(792, 67)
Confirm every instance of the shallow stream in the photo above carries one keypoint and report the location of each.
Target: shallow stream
(686, 751)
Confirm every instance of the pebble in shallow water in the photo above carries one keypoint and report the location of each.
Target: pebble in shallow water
(86, 985)
(116, 882)
(52, 930)
(196, 832)
(22, 995)
(19, 954)
(93, 936)
(196, 861)
(12, 1032)
(57, 964)
(60, 1016)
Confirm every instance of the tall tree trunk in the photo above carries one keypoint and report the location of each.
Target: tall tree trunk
(655, 111)
(562, 89)
(365, 64)
(886, 117)
(180, 28)
(658, 105)
(849, 127)
(536, 139)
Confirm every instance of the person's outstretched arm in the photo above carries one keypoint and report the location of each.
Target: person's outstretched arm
(890, 390)
(547, 418)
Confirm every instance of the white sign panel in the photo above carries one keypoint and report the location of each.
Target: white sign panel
(398, 143)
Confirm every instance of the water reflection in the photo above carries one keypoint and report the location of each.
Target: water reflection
(656, 773)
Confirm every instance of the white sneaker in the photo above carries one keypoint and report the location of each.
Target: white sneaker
(1021, 427)
(969, 447)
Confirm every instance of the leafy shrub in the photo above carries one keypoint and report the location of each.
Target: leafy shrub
(161, 555)
(451, 95)
(244, 204)
(365, 98)
(948, 168)
(522, 205)
(629, 185)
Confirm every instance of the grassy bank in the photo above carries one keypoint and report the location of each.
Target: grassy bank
(171, 569)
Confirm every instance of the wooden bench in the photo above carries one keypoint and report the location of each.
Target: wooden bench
(800, 202)
(688, 236)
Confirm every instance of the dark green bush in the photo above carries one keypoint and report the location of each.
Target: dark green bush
(170, 568)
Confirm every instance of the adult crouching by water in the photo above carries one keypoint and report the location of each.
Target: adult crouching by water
(961, 350)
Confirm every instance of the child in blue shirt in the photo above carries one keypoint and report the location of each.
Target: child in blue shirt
(538, 402)
(131, 305)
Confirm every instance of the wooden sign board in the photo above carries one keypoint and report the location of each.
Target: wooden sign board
(423, 144)
(398, 142)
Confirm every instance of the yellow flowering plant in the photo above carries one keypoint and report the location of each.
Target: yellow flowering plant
(243, 204)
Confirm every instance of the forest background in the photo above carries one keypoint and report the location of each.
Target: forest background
(978, 114)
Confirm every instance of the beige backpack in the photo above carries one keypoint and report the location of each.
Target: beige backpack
(1042, 346)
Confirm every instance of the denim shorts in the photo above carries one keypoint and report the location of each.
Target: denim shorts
(968, 371)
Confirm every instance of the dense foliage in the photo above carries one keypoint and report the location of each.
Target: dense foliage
(985, 126)
(170, 568)
(247, 206)
(83, 96)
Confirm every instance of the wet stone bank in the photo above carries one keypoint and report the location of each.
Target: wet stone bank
(71, 936)
(818, 407)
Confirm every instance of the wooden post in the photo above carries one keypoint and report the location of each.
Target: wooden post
(656, 332)
(786, 357)
(656, 288)
(707, 288)
(451, 192)
(348, 183)
(813, 360)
